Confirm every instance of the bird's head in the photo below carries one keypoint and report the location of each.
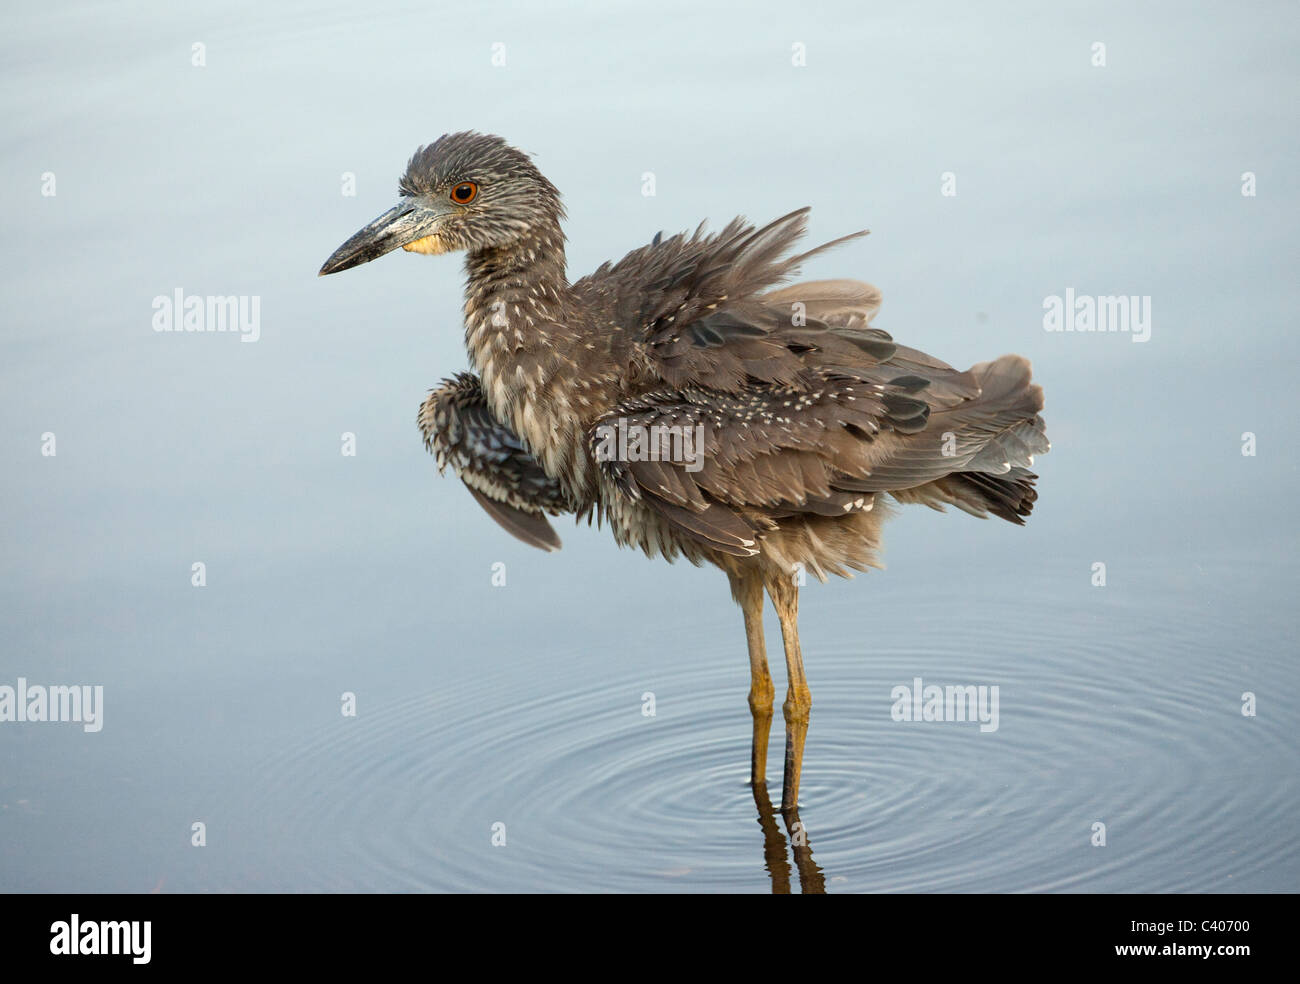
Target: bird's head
(465, 191)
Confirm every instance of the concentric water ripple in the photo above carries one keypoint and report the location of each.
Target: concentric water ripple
(1126, 722)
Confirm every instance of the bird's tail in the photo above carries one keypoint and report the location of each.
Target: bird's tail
(1010, 497)
(998, 479)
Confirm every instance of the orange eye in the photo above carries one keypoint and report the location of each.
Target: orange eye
(464, 193)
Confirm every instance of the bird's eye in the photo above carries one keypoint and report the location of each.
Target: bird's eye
(464, 193)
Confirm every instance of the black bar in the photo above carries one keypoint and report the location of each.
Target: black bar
(946, 934)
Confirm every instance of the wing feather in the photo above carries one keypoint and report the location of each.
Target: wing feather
(505, 479)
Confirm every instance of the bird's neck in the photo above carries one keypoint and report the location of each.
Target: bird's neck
(511, 292)
(522, 343)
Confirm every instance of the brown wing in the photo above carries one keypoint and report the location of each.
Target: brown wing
(461, 431)
(771, 452)
(724, 467)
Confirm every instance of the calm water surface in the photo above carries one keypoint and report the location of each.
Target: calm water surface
(522, 705)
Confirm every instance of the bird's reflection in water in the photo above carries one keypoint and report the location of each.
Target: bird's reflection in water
(811, 879)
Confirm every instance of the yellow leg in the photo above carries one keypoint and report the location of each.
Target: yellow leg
(798, 699)
(748, 591)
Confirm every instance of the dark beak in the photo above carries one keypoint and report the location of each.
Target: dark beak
(404, 223)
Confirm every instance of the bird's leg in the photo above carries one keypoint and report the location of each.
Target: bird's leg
(798, 699)
(747, 589)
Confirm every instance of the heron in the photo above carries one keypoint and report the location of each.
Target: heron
(696, 402)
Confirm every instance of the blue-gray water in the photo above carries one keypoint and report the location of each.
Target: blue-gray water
(521, 704)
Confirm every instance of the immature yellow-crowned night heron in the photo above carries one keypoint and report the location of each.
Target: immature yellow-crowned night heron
(808, 416)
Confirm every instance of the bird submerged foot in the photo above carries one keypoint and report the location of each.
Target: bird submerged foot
(812, 880)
